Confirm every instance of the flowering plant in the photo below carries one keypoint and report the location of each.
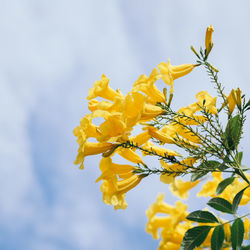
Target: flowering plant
(205, 145)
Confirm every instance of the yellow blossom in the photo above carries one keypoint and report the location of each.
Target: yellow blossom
(129, 154)
(92, 148)
(208, 39)
(159, 150)
(246, 227)
(176, 168)
(112, 127)
(170, 72)
(147, 86)
(141, 138)
(114, 190)
(180, 188)
(172, 223)
(233, 99)
(150, 111)
(206, 100)
(110, 169)
(101, 88)
(159, 135)
(209, 188)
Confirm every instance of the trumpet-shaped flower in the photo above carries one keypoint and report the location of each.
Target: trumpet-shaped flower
(92, 148)
(159, 150)
(112, 127)
(208, 39)
(234, 99)
(114, 190)
(159, 135)
(170, 72)
(168, 223)
(101, 88)
(147, 86)
(176, 169)
(206, 100)
(150, 111)
(130, 155)
(180, 188)
(209, 188)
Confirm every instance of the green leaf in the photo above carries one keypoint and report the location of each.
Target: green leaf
(217, 238)
(223, 184)
(220, 204)
(212, 164)
(202, 216)
(237, 233)
(198, 175)
(237, 199)
(245, 247)
(239, 157)
(194, 237)
(233, 132)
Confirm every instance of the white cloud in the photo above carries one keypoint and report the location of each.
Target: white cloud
(51, 53)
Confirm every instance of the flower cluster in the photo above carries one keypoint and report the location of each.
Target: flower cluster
(204, 146)
(120, 117)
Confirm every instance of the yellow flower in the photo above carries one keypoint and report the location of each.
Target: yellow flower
(209, 188)
(176, 169)
(233, 99)
(147, 86)
(246, 227)
(85, 130)
(110, 169)
(172, 231)
(208, 39)
(170, 72)
(180, 188)
(206, 100)
(95, 105)
(158, 207)
(159, 135)
(150, 111)
(140, 139)
(112, 127)
(114, 190)
(132, 115)
(160, 151)
(130, 155)
(92, 148)
(101, 88)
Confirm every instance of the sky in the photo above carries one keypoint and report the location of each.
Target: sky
(51, 52)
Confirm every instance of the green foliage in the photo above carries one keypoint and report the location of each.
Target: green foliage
(217, 238)
(233, 132)
(223, 184)
(202, 216)
(237, 234)
(220, 204)
(194, 237)
(237, 199)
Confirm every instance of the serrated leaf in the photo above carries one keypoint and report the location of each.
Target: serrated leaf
(237, 233)
(233, 132)
(194, 237)
(217, 238)
(237, 199)
(223, 184)
(220, 204)
(202, 216)
(239, 157)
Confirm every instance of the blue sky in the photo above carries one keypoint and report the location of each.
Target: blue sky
(51, 52)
